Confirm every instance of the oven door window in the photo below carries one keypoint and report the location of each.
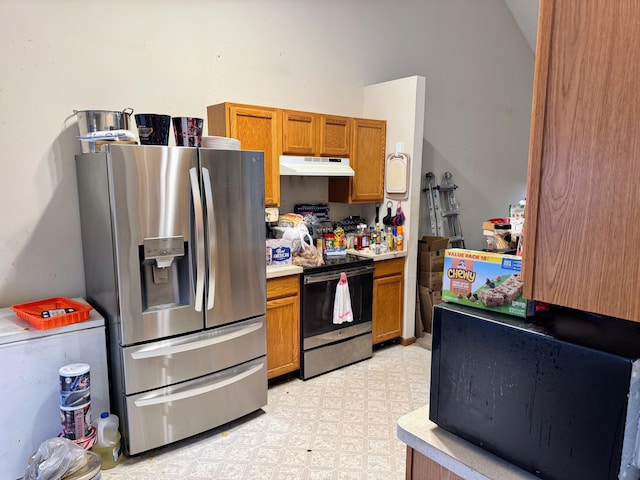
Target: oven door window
(318, 299)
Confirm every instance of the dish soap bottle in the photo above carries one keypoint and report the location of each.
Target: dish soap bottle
(108, 440)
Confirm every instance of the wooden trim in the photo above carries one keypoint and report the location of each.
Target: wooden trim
(218, 120)
(421, 467)
(409, 464)
(406, 341)
(536, 138)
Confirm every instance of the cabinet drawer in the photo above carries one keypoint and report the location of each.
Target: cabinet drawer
(389, 267)
(283, 286)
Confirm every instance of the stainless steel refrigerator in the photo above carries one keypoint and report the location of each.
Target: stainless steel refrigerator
(173, 244)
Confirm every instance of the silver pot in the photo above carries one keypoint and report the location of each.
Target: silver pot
(100, 120)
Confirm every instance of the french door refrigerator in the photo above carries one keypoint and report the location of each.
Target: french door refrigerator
(173, 245)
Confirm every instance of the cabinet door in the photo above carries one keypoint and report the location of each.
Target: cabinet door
(388, 299)
(283, 325)
(581, 237)
(368, 146)
(257, 128)
(420, 467)
(298, 133)
(283, 336)
(387, 308)
(334, 136)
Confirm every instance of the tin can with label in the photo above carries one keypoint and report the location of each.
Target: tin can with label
(76, 422)
(75, 383)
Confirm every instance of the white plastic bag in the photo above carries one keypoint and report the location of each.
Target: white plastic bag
(342, 303)
(55, 458)
(299, 237)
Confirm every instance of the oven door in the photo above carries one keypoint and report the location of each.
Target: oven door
(318, 296)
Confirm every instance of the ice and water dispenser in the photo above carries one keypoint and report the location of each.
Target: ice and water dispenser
(164, 264)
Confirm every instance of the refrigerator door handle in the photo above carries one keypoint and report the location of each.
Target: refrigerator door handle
(175, 349)
(197, 209)
(174, 397)
(211, 224)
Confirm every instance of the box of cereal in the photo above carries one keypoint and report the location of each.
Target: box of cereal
(486, 280)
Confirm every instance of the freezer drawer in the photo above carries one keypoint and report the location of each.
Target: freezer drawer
(169, 414)
(167, 362)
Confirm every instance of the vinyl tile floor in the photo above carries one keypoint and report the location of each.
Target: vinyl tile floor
(337, 426)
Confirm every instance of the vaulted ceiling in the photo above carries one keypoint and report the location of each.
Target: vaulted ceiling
(525, 13)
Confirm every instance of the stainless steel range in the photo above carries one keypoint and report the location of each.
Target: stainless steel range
(327, 346)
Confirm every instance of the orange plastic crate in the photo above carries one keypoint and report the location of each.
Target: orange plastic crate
(32, 312)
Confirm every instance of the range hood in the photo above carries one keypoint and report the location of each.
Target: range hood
(315, 166)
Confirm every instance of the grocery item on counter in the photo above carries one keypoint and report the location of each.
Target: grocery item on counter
(290, 220)
(399, 238)
(279, 252)
(309, 256)
(335, 243)
(361, 239)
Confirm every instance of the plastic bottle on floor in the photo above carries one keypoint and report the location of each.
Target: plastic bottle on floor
(108, 440)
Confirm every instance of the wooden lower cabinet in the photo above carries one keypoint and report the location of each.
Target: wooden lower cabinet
(283, 325)
(420, 467)
(388, 299)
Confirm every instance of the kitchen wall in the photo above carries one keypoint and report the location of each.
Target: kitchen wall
(178, 57)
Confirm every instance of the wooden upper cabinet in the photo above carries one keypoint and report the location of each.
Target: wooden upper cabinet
(314, 134)
(581, 236)
(299, 133)
(257, 128)
(334, 136)
(368, 146)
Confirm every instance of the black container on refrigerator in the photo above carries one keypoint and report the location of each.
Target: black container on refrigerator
(558, 394)
(173, 243)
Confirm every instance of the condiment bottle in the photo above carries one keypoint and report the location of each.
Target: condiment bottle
(366, 240)
(328, 242)
(378, 238)
(390, 241)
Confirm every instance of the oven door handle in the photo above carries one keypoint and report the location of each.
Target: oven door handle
(327, 277)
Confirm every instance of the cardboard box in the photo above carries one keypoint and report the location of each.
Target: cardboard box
(431, 280)
(488, 226)
(426, 308)
(431, 244)
(436, 297)
(486, 280)
(428, 299)
(278, 252)
(431, 261)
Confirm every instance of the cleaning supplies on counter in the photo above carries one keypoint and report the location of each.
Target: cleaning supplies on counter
(108, 440)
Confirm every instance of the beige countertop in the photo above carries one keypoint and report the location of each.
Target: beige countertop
(378, 256)
(283, 271)
(452, 452)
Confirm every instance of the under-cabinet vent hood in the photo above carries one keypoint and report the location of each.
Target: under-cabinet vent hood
(315, 166)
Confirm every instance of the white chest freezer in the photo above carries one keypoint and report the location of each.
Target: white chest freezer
(30, 361)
